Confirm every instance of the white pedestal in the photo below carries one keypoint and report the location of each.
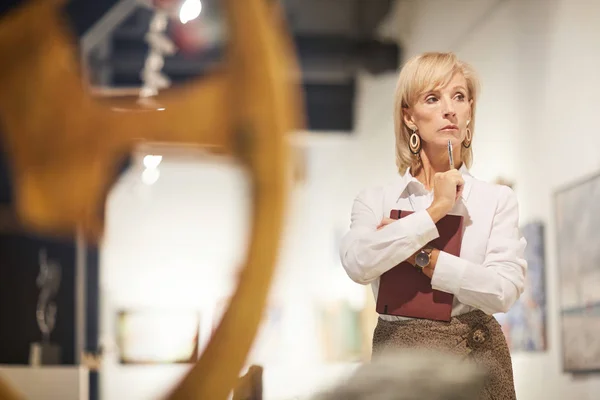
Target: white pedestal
(48, 383)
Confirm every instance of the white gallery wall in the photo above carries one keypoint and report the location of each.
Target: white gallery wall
(171, 240)
(175, 242)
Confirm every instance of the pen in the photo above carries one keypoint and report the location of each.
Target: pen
(450, 156)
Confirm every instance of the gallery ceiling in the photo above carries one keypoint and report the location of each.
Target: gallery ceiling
(334, 40)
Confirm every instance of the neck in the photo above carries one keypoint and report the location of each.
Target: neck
(433, 162)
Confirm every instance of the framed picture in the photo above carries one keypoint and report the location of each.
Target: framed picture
(525, 324)
(577, 213)
(158, 336)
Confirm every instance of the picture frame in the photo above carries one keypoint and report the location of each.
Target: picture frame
(158, 336)
(577, 217)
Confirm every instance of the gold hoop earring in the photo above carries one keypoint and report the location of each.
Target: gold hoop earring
(467, 142)
(414, 143)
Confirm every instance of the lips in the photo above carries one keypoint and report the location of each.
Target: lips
(449, 127)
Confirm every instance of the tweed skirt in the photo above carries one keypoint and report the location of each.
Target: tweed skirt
(475, 336)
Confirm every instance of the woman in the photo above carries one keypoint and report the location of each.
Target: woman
(435, 102)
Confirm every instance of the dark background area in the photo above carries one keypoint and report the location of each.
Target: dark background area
(19, 294)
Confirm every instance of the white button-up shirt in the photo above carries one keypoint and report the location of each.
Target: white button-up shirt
(489, 274)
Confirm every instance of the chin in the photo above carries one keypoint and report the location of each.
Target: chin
(456, 141)
(442, 140)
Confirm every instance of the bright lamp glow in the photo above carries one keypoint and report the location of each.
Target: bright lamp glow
(150, 176)
(152, 161)
(190, 10)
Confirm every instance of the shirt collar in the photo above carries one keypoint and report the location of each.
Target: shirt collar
(408, 178)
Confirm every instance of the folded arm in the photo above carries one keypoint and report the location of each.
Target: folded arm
(367, 252)
(494, 286)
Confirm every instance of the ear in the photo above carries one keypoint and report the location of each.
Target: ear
(408, 118)
(470, 109)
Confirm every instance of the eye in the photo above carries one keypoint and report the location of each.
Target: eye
(460, 97)
(430, 99)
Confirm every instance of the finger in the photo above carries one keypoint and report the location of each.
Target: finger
(459, 191)
(455, 173)
(457, 176)
(452, 174)
(382, 224)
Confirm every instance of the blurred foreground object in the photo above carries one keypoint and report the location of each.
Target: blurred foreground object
(250, 386)
(64, 148)
(411, 375)
(8, 393)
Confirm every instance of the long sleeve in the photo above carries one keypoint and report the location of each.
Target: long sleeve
(366, 252)
(494, 286)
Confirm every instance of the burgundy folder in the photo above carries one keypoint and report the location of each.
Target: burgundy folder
(405, 291)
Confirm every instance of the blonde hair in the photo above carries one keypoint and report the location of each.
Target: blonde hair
(420, 74)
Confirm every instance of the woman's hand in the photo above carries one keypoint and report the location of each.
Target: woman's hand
(447, 188)
(384, 222)
(428, 270)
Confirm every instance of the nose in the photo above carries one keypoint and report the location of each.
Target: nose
(449, 109)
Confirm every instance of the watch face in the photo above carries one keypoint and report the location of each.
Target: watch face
(422, 259)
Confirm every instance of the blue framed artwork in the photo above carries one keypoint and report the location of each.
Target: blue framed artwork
(525, 324)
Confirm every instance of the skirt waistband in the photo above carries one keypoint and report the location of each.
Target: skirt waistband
(469, 318)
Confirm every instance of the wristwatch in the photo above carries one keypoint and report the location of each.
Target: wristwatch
(423, 257)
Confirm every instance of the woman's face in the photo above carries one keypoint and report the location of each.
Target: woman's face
(441, 114)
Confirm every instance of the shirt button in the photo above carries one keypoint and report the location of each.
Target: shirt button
(479, 336)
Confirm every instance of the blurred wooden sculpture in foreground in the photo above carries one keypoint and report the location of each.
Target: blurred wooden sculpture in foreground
(64, 148)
